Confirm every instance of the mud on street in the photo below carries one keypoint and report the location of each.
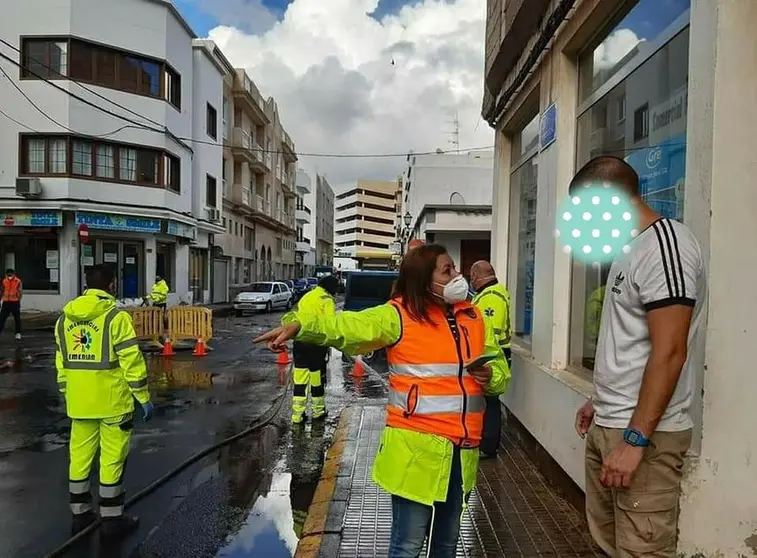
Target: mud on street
(246, 499)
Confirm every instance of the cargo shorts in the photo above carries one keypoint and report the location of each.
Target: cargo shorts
(641, 520)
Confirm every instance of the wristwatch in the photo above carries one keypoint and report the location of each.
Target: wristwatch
(633, 437)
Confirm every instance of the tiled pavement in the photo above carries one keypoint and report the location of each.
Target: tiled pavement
(513, 512)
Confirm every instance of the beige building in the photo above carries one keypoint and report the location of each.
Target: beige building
(324, 224)
(259, 196)
(663, 85)
(366, 217)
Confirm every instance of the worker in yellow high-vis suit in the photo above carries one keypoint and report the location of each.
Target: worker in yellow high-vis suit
(310, 360)
(101, 371)
(159, 293)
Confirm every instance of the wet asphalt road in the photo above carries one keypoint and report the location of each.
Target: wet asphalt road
(236, 502)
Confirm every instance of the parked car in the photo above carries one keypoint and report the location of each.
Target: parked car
(265, 295)
(300, 287)
(312, 282)
(366, 289)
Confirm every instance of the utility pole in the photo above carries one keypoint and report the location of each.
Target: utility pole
(455, 133)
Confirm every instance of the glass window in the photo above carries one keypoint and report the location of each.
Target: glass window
(27, 254)
(523, 228)
(652, 139)
(82, 61)
(106, 163)
(173, 173)
(211, 122)
(127, 164)
(36, 155)
(129, 68)
(105, 67)
(644, 23)
(58, 156)
(149, 82)
(147, 167)
(525, 142)
(173, 88)
(82, 158)
(210, 191)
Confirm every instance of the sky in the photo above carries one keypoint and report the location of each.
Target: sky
(377, 76)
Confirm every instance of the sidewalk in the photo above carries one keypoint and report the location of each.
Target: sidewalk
(512, 512)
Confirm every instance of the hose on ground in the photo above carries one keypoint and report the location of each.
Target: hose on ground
(266, 418)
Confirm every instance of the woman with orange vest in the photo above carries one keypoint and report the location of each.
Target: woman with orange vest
(428, 456)
(10, 301)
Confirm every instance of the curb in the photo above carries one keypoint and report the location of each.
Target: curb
(316, 529)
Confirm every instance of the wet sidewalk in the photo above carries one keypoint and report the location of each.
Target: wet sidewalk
(512, 512)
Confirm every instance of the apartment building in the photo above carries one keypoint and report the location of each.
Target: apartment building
(448, 197)
(324, 227)
(259, 199)
(661, 85)
(303, 216)
(366, 216)
(108, 170)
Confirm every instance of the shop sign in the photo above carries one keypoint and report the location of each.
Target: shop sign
(548, 127)
(36, 218)
(110, 222)
(181, 229)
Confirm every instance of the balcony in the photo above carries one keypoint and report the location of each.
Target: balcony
(302, 215)
(263, 206)
(302, 246)
(288, 148)
(248, 97)
(303, 183)
(244, 147)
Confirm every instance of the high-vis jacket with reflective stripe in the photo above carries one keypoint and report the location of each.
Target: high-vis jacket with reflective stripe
(11, 289)
(494, 302)
(316, 302)
(412, 463)
(429, 388)
(100, 367)
(159, 293)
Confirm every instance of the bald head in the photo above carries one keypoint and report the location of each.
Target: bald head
(481, 273)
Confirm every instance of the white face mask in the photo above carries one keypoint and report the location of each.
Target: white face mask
(455, 291)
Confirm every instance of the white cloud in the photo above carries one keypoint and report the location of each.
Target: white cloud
(614, 48)
(329, 66)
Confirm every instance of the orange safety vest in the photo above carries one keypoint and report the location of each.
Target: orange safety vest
(11, 289)
(429, 389)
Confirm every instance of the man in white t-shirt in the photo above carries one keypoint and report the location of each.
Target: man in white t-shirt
(639, 419)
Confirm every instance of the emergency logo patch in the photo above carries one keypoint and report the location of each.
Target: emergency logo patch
(82, 341)
(489, 312)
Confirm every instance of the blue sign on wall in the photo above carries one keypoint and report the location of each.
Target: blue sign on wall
(662, 171)
(181, 229)
(548, 127)
(33, 218)
(110, 222)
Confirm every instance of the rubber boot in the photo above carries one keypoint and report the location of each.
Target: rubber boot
(119, 526)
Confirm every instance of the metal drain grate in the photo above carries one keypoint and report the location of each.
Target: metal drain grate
(513, 511)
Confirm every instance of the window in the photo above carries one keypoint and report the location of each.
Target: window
(523, 192)
(27, 254)
(100, 65)
(633, 36)
(225, 118)
(211, 122)
(641, 123)
(82, 158)
(656, 148)
(99, 160)
(45, 58)
(210, 191)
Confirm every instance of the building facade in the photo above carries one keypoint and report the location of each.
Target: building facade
(259, 198)
(304, 216)
(449, 196)
(662, 86)
(324, 226)
(111, 169)
(366, 217)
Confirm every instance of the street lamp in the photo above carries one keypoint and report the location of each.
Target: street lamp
(407, 218)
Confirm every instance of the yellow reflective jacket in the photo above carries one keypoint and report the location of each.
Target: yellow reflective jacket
(316, 302)
(410, 464)
(494, 303)
(100, 367)
(159, 293)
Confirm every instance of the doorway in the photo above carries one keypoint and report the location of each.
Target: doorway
(125, 258)
(471, 251)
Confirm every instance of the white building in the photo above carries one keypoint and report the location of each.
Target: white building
(449, 197)
(665, 89)
(134, 180)
(304, 216)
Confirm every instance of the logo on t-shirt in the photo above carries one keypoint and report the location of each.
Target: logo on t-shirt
(619, 278)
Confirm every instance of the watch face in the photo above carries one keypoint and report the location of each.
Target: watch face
(633, 437)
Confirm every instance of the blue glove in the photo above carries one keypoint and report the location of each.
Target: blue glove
(147, 410)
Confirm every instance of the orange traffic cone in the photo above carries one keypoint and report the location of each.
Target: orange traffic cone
(200, 348)
(359, 369)
(283, 357)
(167, 348)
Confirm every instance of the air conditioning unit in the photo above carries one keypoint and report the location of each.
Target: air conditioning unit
(214, 214)
(28, 187)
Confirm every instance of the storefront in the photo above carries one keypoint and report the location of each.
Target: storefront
(30, 244)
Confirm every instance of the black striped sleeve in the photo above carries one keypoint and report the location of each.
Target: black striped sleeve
(668, 269)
